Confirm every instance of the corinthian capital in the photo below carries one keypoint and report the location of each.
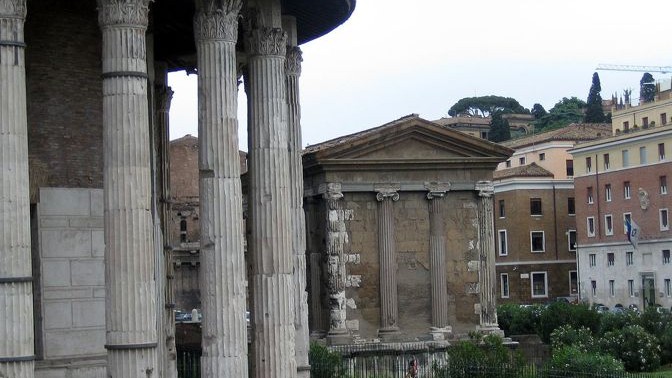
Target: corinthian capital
(13, 8)
(267, 41)
(123, 12)
(217, 20)
(485, 188)
(164, 96)
(293, 61)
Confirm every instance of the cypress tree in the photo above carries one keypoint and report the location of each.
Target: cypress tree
(594, 112)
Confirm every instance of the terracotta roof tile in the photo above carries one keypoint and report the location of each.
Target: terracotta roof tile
(529, 170)
(573, 132)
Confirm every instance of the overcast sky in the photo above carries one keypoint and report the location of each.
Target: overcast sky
(393, 58)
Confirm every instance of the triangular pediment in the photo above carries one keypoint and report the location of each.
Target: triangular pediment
(407, 139)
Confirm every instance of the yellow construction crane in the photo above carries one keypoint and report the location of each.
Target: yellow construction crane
(618, 67)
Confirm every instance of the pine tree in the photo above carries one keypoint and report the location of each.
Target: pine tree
(499, 128)
(647, 88)
(594, 112)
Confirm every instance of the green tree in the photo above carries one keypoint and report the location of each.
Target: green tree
(594, 112)
(485, 106)
(538, 111)
(566, 111)
(499, 128)
(647, 88)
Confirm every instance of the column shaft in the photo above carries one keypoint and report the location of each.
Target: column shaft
(486, 240)
(16, 293)
(222, 275)
(389, 310)
(269, 206)
(298, 218)
(131, 319)
(437, 261)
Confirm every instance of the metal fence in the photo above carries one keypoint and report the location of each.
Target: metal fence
(189, 363)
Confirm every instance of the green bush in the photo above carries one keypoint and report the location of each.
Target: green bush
(323, 362)
(470, 359)
(612, 322)
(561, 313)
(570, 359)
(653, 321)
(579, 338)
(665, 339)
(638, 349)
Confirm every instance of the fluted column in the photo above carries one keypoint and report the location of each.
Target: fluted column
(164, 96)
(16, 290)
(486, 273)
(131, 318)
(437, 254)
(389, 311)
(270, 245)
(318, 321)
(298, 218)
(336, 239)
(222, 273)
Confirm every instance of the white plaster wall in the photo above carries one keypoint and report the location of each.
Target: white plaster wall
(71, 248)
(646, 259)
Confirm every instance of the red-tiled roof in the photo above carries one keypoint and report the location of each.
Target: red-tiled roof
(529, 170)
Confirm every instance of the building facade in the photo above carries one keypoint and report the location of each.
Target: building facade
(535, 216)
(619, 180)
(479, 127)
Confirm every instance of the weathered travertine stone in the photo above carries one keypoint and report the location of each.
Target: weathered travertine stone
(389, 310)
(270, 242)
(336, 240)
(437, 253)
(318, 322)
(131, 320)
(298, 219)
(222, 272)
(486, 273)
(16, 294)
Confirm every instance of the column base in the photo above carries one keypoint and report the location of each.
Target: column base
(441, 333)
(303, 371)
(339, 337)
(490, 330)
(317, 335)
(389, 334)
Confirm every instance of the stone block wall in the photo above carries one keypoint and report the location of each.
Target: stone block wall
(71, 279)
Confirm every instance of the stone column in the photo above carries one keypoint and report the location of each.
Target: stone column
(130, 304)
(222, 271)
(270, 245)
(316, 314)
(437, 257)
(16, 289)
(486, 274)
(298, 220)
(389, 311)
(164, 96)
(336, 240)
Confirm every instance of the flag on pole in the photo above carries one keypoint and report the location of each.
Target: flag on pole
(633, 232)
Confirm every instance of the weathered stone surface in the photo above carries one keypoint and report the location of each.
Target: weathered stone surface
(88, 273)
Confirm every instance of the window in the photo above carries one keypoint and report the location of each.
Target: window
(589, 194)
(537, 241)
(590, 226)
(592, 259)
(571, 206)
(631, 288)
(589, 165)
(627, 218)
(626, 190)
(663, 184)
(569, 164)
(607, 192)
(664, 221)
(484, 135)
(666, 256)
(612, 291)
(629, 258)
(645, 121)
(663, 118)
(593, 286)
(608, 225)
(502, 209)
(535, 206)
(573, 282)
(503, 243)
(668, 287)
(610, 259)
(539, 285)
(183, 230)
(521, 160)
(542, 156)
(626, 126)
(642, 155)
(661, 151)
(571, 240)
(625, 156)
(605, 157)
(504, 280)
(508, 164)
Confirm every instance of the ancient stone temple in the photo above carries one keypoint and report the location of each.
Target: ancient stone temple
(85, 248)
(400, 234)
